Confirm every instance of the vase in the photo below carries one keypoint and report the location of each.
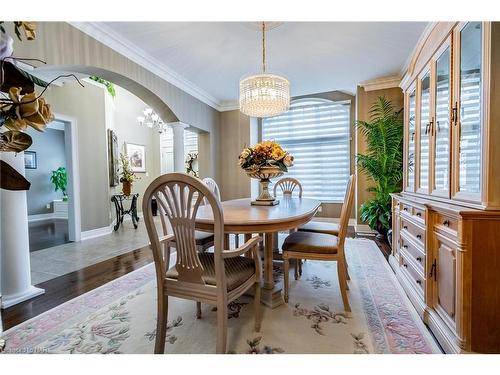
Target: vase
(264, 175)
(126, 188)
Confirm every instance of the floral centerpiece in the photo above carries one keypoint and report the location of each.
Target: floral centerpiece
(264, 161)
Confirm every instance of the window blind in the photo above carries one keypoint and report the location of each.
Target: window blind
(316, 132)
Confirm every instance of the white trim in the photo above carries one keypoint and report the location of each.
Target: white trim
(364, 229)
(115, 41)
(381, 83)
(423, 37)
(11, 300)
(228, 105)
(56, 125)
(47, 216)
(73, 165)
(98, 232)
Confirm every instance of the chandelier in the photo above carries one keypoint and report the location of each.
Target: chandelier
(264, 95)
(152, 120)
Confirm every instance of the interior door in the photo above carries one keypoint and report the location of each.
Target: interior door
(411, 100)
(467, 124)
(424, 122)
(441, 135)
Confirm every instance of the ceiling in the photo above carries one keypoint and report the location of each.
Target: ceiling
(207, 59)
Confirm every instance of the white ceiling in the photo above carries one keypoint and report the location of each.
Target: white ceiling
(208, 59)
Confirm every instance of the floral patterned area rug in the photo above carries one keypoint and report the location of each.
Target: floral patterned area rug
(119, 317)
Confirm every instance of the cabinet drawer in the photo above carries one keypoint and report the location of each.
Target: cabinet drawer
(446, 223)
(410, 250)
(419, 213)
(405, 208)
(414, 231)
(415, 278)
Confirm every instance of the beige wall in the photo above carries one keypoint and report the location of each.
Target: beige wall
(64, 47)
(364, 100)
(87, 106)
(125, 108)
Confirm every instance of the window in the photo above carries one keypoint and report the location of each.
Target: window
(316, 133)
(167, 147)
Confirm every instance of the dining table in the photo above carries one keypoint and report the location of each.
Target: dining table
(240, 217)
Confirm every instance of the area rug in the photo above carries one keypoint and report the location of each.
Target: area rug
(119, 317)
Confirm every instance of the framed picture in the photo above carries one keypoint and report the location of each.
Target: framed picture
(30, 160)
(114, 166)
(136, 156)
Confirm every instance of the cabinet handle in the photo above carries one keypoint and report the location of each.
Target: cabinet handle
(438, 127)
(419, 282)
(405, 265)
(419, 259)
(419, 236)
(419, 214)
(427, 128)
(446, 223)
(405, 227)
(412, 136)
(405, 246)
(434, 270)
(405, 208)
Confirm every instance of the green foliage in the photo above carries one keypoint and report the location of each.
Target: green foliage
(109, 85)
(60, 180)
(383, 161)
(126, 173)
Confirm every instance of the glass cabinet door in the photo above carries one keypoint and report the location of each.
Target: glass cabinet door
(441, 127)
(410, 152)
(425, 132)
(469, 110)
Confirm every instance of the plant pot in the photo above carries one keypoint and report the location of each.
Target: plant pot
(382, 231)
(126, 188)
(264, 175)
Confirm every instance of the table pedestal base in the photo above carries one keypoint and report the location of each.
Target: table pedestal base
(272, 297)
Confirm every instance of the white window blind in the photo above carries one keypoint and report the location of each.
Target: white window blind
(316, 132)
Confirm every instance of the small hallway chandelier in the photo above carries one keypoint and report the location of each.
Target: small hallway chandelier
(152, 120)
(264, 94)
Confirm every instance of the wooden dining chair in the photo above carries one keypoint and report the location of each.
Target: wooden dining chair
(215, 278)
(287, 186)
(321, 246)
(214, 188)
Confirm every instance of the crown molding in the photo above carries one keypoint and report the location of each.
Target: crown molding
(412, 56)
(381, 83)
(113, 40)
(229, 105)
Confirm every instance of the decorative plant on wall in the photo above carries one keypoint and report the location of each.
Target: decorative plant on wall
(382, 163)
(60, 180)
(20, 105)
(109, 85)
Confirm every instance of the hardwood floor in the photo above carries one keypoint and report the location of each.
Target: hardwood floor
(71, 285)
(47, 233)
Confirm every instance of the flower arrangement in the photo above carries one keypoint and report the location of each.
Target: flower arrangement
(192, 164)
(265, 154)
(126, 174)
(60, 180)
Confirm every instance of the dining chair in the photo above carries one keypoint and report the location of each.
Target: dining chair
(216, 278)
(214, 188)
(321, 246)
(287, 186)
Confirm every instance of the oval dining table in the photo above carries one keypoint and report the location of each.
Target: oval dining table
(242, 217)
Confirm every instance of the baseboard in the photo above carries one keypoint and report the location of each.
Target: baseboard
(364, 229)
(47, 216)
(98, 232)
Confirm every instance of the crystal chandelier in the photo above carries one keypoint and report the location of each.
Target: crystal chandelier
(264, 95)
(152, 120)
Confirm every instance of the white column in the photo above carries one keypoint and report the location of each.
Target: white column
(15, 268)
(179, 150)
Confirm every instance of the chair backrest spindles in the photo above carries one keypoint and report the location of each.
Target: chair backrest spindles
(214, 188)
(179, 196)
(346, 209)
(287, 186)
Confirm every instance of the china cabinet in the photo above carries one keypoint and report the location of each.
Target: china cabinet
(447, 219)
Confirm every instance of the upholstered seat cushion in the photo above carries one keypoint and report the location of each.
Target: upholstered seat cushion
(320, 227)
(238, 270)
(309, 242)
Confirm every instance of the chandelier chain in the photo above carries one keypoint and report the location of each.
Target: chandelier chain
(263, 47)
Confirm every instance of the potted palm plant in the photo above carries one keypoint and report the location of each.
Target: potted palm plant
(59, 179)
(382, 163)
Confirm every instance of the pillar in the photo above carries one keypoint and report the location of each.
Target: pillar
(178, 142)
(15, 268)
